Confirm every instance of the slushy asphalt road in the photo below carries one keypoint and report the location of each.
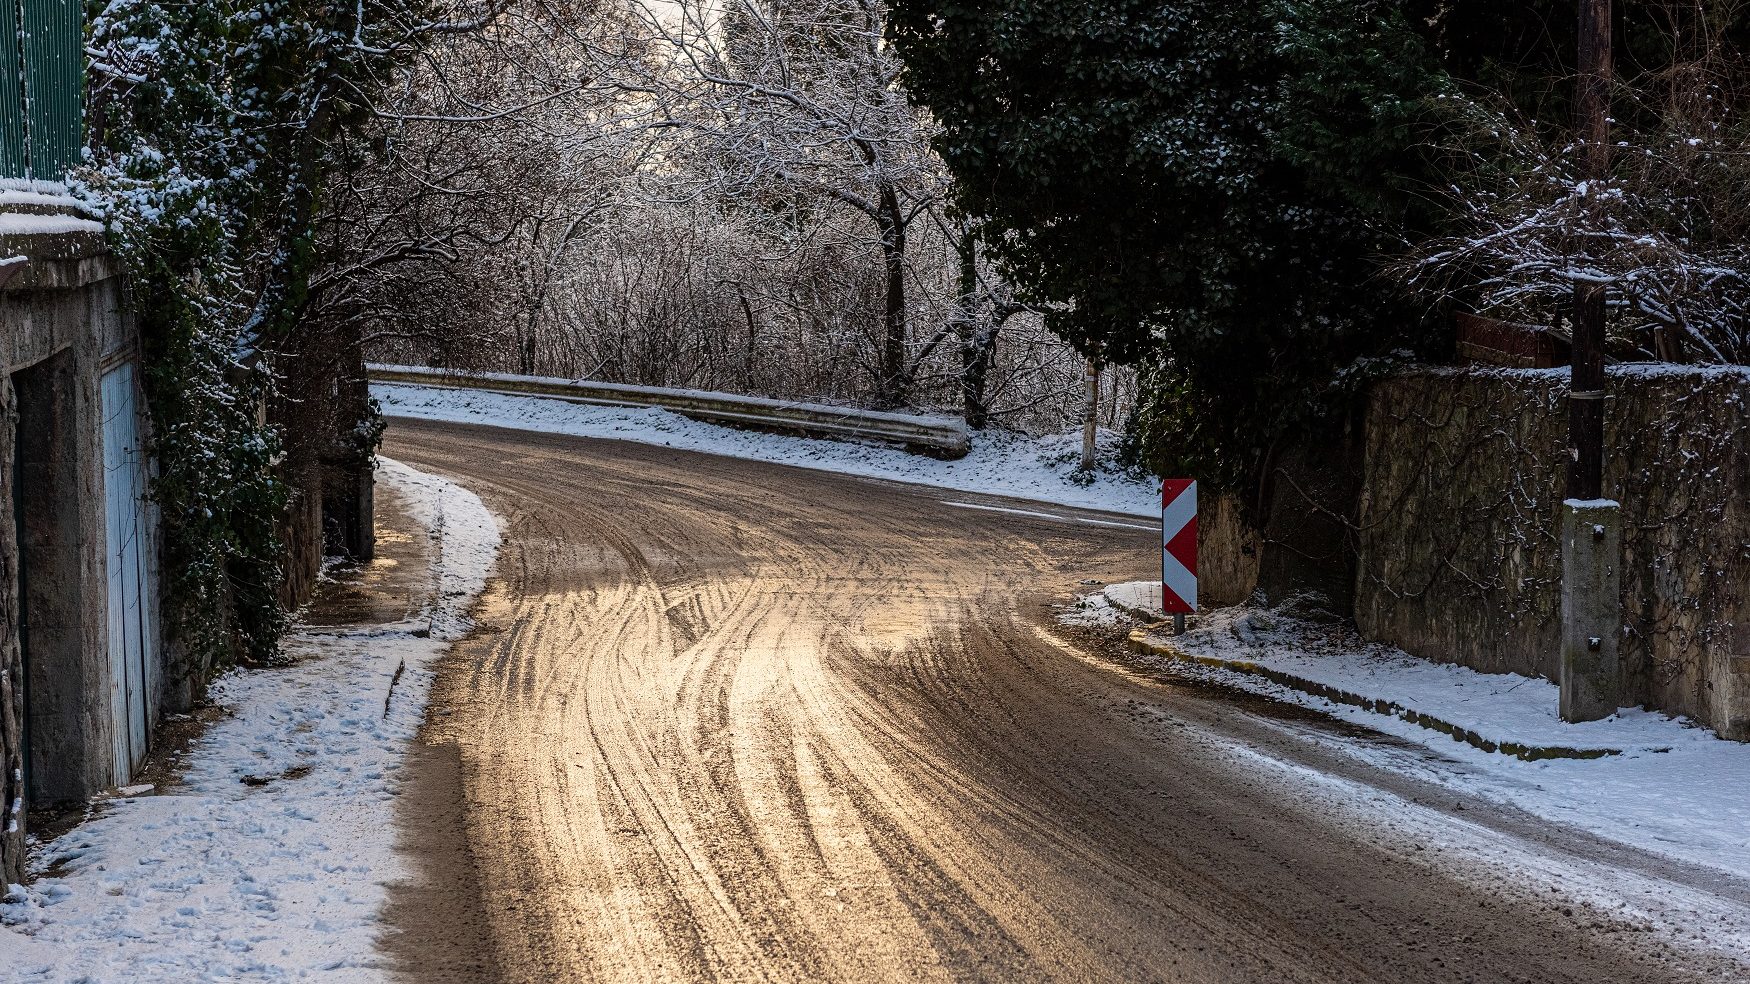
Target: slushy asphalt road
(726, 721)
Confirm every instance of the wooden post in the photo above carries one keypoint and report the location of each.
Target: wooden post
(1586, 386)
(1591, 677)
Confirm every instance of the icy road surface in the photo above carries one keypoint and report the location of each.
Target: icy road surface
(727, 720)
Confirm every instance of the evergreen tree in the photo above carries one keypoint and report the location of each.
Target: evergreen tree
(1201, 186)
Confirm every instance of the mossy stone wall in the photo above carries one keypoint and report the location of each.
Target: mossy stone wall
(1458, 550)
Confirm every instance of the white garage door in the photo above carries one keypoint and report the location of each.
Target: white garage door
(130, 524)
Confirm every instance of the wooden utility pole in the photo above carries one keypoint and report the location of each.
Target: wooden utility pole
(1591, 677)
(1586, 386)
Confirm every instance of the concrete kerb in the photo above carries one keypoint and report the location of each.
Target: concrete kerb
(1151, 639)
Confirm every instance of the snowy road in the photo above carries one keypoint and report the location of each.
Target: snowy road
(734, 721)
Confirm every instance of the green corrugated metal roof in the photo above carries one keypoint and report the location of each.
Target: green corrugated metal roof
(42, 87)
(11, 93)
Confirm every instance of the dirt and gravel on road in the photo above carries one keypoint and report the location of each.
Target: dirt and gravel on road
(729, 721)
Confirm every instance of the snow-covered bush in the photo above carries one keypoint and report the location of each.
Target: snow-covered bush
(1668, 231)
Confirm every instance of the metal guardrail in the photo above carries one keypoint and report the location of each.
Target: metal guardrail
(939, 437)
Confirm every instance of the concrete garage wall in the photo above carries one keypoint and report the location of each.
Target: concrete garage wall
(1458, 557)
(11, 667)
(59, 536)
(61, 322)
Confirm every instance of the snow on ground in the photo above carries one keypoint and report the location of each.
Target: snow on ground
(1041, 469)
(271, 859)
(1094, 612)
(1611, 899)
(1676, 789)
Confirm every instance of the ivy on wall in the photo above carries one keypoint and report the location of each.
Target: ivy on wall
(217, 486)
(213, 130)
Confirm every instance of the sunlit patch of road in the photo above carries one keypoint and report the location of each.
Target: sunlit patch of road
(732, 721)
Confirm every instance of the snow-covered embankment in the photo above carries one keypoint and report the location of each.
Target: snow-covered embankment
(1661, 784)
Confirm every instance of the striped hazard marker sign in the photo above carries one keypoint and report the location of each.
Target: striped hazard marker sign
(1179, 546)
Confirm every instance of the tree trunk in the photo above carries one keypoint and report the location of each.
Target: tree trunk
(750, 359)
(974, 360)
(891, 388)
(974, 374)
(1091, 418)
(526, 349)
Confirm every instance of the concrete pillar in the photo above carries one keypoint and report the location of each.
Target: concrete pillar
(1591, 683)
(1736, 723)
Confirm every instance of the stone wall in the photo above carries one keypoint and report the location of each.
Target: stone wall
(1227, 553)
(300, 533)
(1297, 542)
(1458, 557)
(322, 396)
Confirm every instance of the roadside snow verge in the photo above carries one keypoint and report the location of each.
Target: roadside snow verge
(270, 859)
(1657, 783)
(1042, 469)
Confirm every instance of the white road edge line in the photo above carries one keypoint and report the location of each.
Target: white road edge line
(1045, 515)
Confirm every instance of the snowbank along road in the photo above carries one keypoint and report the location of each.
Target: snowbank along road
(734, 721)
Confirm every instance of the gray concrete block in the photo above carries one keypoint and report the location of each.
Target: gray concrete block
(1592, 617)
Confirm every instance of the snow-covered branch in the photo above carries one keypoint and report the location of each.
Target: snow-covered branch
(1668, 233)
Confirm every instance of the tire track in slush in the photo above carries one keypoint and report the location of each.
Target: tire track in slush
(730, 721)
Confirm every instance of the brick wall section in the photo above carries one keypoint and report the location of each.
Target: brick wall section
(1458, 557)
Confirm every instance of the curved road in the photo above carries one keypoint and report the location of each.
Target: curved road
(727, 721)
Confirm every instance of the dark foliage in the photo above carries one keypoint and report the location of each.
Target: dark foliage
(1205, 187)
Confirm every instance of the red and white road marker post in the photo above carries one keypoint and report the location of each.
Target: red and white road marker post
(1179, 549)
